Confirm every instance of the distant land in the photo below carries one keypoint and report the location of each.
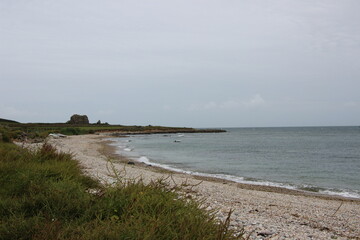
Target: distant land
(2, 120)
(26, 131)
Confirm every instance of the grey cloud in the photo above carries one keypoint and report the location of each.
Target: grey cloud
(148, 62)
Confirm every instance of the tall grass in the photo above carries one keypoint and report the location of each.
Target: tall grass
(44, 195)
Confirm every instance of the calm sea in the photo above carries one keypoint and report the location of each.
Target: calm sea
(319, 159)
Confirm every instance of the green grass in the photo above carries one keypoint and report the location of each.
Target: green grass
(42, 130)
(44, 195)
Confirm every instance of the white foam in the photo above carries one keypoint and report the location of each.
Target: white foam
(232, 178)
(342, 193)
(244, 181)
(144, 159)
(128, 149)
(236, 179)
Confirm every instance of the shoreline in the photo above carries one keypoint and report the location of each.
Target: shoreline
(265, 212)
(115, 153)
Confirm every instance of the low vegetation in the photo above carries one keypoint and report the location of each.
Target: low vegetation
(38, 131)
(44, 195)
(2, 120)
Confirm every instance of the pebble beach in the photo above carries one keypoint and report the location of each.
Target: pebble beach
(263, 212)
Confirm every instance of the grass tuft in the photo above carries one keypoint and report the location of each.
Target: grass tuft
(44, 195)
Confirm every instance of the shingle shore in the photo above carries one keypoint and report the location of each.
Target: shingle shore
(263, 214)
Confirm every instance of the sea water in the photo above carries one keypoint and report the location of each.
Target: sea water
(318, 159)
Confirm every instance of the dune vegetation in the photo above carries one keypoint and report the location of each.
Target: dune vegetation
(44, 195)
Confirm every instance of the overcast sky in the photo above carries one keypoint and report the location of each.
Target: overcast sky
(196, 63)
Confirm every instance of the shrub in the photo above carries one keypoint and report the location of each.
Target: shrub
(91, 131)
(5, 134)
(70, 131)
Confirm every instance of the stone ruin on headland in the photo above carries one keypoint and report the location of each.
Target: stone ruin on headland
(78, 119)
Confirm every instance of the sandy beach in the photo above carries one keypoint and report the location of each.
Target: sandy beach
(264, 212)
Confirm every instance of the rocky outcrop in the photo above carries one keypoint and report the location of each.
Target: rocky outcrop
(78, 119)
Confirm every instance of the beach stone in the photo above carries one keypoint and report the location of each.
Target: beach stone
(78, 119)
(131, 163)
(265, 233)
